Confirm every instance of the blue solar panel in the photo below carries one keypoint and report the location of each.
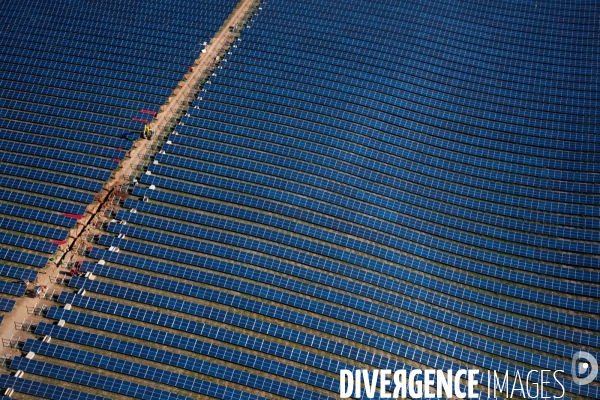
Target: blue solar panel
(43, 176)
(46, 190)
(322, 235)
(7, 304)
(16, 289)
(44, 390)
(387, 185)
(44, 202)
(194, 245)
(326, 345)
(57, 132)
(181, 362)
(201, 329)
(33, 229)
(195, 346)
(90, 379)
(438, 256)
(88, 93)
(334, 312)
(22, 258)
(36, 215)
(51, 165)
(19, 273)
(453, 319)
(82, 149)
(27, 243)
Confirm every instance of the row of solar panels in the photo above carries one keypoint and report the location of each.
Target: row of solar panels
(251, 148)
(43, 390)
(80, 91)
(189, 345)
(22, 257)
(127, 86)
(67, 168)
(141, 371)
(495, 215)
(46, 190)
(504, 21)
(383, 104)
(369, 292)
(529, 125)
(350, 272)
(355, 334)
(39, 151)
(179, 361)
(109, 125)
(85, 378)
(180, 29)
(56, 135)
(503, 206)
(394, 133)
(116, 110)
(393, 328)
(342, 104)
(44, 202)
(151, 72)
(37, 215)
(347, 71)
(31, 113)
(182, 324)
(299, 119)
(470, 49)
(392, 271)
(305, 175)
(450, 150)
(171, 58)
(248, 229)
(208, 177)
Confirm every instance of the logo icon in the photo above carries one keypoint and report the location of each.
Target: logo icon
(583, 363)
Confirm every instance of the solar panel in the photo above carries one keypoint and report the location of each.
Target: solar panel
(58, 132)
(504, 335)
(7, 304)
(44, 202)
(195, 346)
(280, 297)
(19, 273)
(16, 289)
(36, 215)
(22, 258)
(90, 379)
(27, 243)
(33, 229)
(182, 362)
(43, 176)
(271, 249)
(51, 165)
(46, 190)
(426, 195)
(326, 345)
(333, 312)
(44, 390)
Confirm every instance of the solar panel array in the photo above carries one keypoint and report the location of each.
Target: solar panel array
(91, 379)
(412, 187)
(138, 370)
(44, 390)
(384, 185)
(77, 82)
